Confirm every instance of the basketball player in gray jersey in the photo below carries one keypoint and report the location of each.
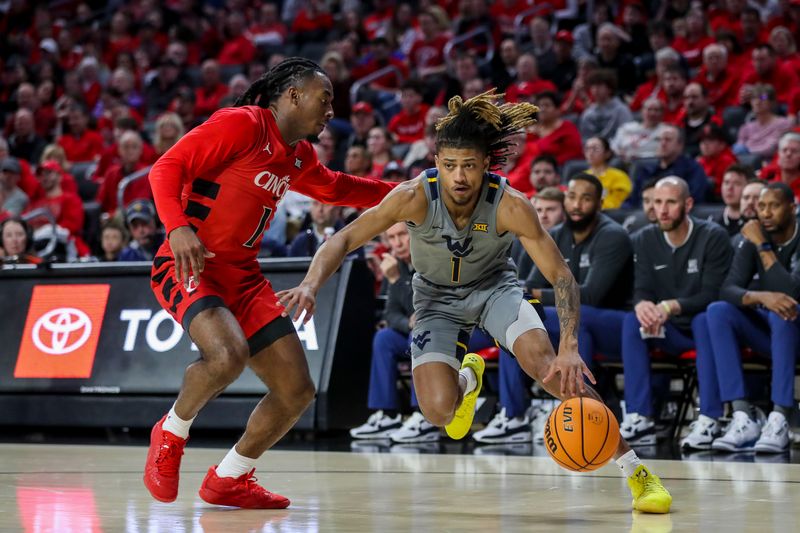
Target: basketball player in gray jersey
(462, 219)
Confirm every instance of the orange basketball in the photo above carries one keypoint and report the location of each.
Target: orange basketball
(581, 434)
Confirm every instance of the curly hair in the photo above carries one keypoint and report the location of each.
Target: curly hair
(481, 124)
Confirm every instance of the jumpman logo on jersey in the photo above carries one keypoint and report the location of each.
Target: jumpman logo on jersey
(458, 249)
(267, 149)
(422, 339)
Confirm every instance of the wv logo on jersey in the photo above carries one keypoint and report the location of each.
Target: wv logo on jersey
(477, 226)
(458, 249)
(421, 340)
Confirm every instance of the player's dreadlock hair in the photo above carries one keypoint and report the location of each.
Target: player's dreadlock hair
(273, 83)
(480, 123)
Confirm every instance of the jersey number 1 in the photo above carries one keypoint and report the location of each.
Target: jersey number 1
(455, 262)
(262, 223)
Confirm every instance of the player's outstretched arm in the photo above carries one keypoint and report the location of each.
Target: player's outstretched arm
(407, 202)
(517, 215)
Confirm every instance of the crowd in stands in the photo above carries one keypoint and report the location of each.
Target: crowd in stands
(629, 93)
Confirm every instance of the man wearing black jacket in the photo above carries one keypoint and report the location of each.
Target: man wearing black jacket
(679, 266)
(759, 310)
(599, 254)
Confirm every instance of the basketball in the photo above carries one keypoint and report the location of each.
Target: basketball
(581, 434)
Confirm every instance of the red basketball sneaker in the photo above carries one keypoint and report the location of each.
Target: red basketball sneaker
(242, 491)
(163, 462)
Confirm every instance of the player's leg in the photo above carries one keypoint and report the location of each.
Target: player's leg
(508, 316)
(223, 354)
(438, 390)
(282, 366)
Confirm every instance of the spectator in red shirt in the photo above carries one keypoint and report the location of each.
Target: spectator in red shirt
(427, 52)
(673, 83)
(767, 70)
(211, 90)
(715, 154)
(237, 50)
(696, 39)
(377, 21)
(666, 58)
(783, 43)
(66, 207)
(110, 155)
(53, 152)
(728, 17)
(409, 124)
(720, 82)
(753, 32)
(119, 38)
(552, 134)
(80, 144)
(268, 30)
(379, 146)
(578, 98)
(130, 155)
(380, 57)
(313, 23)
(505, 11)
(528, 80)
(88, 75)
(169, 129)
(787, 167)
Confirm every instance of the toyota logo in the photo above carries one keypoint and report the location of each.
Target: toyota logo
(69, 330)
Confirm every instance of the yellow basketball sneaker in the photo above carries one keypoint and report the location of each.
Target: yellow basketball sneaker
(462, 421)
(649, 495)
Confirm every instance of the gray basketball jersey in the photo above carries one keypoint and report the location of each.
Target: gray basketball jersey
(446, 256)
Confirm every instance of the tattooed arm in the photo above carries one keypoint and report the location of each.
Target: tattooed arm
(516, 214)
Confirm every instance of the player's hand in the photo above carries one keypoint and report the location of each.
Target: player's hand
(781, 304)
(649, 315)
(301, 298)
(389, 268)
(753, 233)
(569, 364)
(412, 321)
(190, 254)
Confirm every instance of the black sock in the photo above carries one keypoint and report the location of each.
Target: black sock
(391, 413)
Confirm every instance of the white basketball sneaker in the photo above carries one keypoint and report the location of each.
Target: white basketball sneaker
(377, 426)
(702, 433)
(637, 429)
(741, 435)
(416, 429)
(774, 436)
(503, 429)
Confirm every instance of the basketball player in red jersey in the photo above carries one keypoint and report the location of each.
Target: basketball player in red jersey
(216, 191)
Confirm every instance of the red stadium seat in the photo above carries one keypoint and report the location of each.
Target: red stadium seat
(492, 353)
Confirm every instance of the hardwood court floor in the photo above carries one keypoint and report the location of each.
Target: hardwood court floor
(66, 488)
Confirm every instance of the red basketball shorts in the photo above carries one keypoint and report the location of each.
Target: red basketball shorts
(242, 290)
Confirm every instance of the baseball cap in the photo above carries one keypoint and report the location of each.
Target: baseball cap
(49, 45)
(140, 209)
(49, 165)
(12, 165)
(363, 107)
(565, 36)
(393, 167)
(713, 132)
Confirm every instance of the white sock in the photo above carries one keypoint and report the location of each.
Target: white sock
(471, 381)
(235, 465)
(629, 463)
(176, 425)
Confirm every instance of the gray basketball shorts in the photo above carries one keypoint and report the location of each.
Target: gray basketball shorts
(446, 317)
